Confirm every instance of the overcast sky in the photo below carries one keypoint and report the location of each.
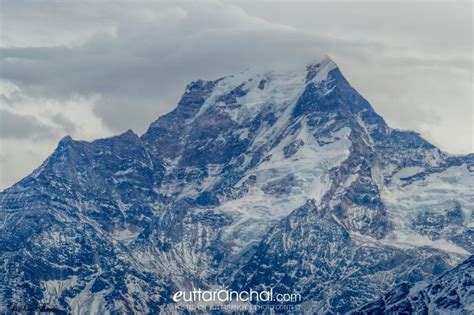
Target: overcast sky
(92, 69)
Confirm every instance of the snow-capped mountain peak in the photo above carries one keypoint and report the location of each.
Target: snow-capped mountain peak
(280, 178)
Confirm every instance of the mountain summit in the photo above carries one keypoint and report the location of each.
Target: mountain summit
(285, 179)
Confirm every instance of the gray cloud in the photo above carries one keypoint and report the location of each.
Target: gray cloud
(413, 61)
(64, 122)
(18, 126)
(141, 69)
(139, 74)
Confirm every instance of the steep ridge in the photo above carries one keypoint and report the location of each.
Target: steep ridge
(283, 178)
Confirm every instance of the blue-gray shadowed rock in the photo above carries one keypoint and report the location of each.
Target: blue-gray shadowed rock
(282, 178)
(449, 293)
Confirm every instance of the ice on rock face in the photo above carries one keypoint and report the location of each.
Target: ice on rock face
(255, 89)
(438, 207)
(282, 178)
(284, 184)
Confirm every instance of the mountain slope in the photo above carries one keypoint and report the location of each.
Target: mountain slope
(283, 178)
(452, 292)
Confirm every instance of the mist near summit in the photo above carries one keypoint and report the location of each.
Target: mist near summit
(114, 66)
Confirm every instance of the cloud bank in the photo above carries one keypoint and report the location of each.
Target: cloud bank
(92, 69)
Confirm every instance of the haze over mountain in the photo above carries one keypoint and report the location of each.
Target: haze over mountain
(96, 69)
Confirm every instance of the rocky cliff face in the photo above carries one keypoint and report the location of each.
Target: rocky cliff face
(273, 178)
(450, 293)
